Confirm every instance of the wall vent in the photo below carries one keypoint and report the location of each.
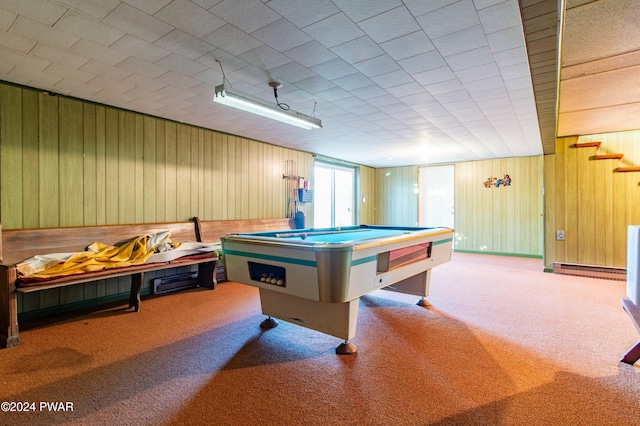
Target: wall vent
(174, 283)
(591, 271)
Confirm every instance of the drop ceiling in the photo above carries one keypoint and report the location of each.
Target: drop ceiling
(395, 82)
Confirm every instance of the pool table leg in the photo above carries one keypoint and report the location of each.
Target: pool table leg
(346, 348)
(423, 302)
(269, 323)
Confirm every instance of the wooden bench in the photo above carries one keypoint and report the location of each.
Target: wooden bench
(18, 245)
(210, 231)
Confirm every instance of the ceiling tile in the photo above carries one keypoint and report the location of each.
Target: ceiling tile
(420, 7)
(310, 54)
(470, 58)
(434, 76)
(506, 39)
(408, 45)
(88, 29)
(352, 81)
(478, 73)
(291, 72)
(37, 31)
(181, 64)
(390, 25)
(97, 9)
(423, 62)
(142, 67)
(304, 12)
(178, 79)
(461, 41)
(314, 84)
(105, 70)
(135, 22)
(27, 75)
(265, 57)
(405, 89)
(138, 80)
(393, 78)
(190, 18)
(358, 10)
(247, 15)
(444, 87)
(358, 50)
(61, 57)
(449, 19)
(16, 42)
(380, 65)
(500, 16)
(334, 30)
(98, 52)
(150, 6)
(142, 49)
(232, 40)
(335, 68)
(184, 44)
(44, 12)
(281, 35)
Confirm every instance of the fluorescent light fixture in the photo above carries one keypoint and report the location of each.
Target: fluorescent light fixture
(229, 96)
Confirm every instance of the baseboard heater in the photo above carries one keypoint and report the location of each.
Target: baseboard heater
(592, 271)
(174, 283)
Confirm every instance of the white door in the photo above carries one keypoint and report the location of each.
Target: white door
(436, 196)
(334, 195)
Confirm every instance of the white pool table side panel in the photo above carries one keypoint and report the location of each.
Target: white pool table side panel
(301, 280)
(336, 319)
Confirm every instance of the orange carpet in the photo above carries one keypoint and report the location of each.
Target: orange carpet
(502, 344)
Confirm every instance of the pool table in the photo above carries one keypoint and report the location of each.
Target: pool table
(315, 277)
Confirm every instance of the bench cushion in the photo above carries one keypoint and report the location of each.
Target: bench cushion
(140, 250)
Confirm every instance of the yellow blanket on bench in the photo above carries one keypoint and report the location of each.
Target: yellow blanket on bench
(98, 256)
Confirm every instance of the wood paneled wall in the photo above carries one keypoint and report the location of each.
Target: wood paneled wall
(592, 203)
(505, 220)
(397, 196)
(66, 162)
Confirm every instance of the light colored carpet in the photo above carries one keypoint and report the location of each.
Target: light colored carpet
(502, 344)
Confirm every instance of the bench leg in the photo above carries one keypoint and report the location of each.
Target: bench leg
(136, 286)
(207, 274)
(632, 355)
(8, 309)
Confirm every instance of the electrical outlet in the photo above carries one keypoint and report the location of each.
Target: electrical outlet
(560, 235)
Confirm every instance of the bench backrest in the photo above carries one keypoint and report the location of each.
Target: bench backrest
(17, 245)
(211, 230)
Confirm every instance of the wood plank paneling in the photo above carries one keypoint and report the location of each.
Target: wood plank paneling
(30, 174)
(396, 188)
(11, 154)
(48, 153)
(592, 203)
(507, 219)
(71, 150)
(89, 175)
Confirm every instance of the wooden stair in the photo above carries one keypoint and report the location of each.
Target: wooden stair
(597, 156)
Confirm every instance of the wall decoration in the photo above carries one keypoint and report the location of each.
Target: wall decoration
(493, 182)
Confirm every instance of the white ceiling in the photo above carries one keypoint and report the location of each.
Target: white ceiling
(395, 82)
